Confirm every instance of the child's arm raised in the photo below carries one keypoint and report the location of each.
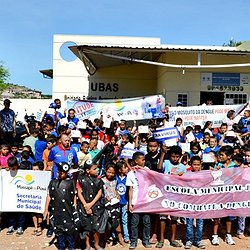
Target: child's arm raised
(163, 152)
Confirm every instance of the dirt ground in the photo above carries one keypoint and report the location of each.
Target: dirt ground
(28, 242)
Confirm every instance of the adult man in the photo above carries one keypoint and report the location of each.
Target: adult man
(7, 122)
(62, 153)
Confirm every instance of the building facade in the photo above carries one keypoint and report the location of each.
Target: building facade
(101, 67)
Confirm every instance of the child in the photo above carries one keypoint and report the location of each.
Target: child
(205, 142)
(225, 158)
(208, 127)
(90, 191)
(31, 155)
(179, 126)
(195, 149)
(121, 188)
(51, 142)
(4, 156)
(16, 219)
(230, 119)
(112, 198)
(14, 151)
(25, 163)
(171, 166)
(40, 146)
(36, 217)
(212, 146)
(132, 184)
(151, 161)
(238, 159)
(196, 166)
(153, 155)
(84, 155)
(197, 133)
(62, 199)
(113, 141)
(185, 160)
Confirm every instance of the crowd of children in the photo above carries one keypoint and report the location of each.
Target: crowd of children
(98, 196)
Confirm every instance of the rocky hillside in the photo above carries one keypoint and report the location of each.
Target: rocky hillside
(16, 91)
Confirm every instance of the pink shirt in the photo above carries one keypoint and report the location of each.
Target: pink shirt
(3, 160)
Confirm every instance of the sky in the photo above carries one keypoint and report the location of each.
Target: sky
(27, 27)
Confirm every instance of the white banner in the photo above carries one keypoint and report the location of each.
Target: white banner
(166, 134)
(198, 115)
(129, 109)
(128, 153)
(23, 190)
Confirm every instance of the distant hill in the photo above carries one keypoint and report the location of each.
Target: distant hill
(11, 90)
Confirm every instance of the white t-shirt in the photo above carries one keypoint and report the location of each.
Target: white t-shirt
(132, 181)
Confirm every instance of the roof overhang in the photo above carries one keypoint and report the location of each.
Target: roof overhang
(95, 57)
(47, 73)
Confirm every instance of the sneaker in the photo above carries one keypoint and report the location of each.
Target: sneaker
(215, 240)
(229, 240)
(19, 231)
(148, 246)
(132, 246)
(200, 245)
(188, 245)
(10, 230)
(49, 232)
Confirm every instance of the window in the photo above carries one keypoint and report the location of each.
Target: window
(183, 98)
(232, 98)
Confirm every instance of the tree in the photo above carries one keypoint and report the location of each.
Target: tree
(232, 43)
(4, 76)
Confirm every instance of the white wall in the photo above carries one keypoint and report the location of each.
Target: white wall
(71, 78)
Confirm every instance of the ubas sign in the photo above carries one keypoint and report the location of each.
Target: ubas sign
(204, 194)
(23, 190)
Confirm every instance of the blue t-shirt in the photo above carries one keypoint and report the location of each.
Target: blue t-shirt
(198, 136)
(221, 165)
(40, 146)
(76, 147)
(59, 116)
(169, 168)
(59, 154)
(209, 149)
(72, 123)
(122, 189)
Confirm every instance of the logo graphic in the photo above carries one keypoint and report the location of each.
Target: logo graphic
(118, 105)
(27, 179)
(153, 193)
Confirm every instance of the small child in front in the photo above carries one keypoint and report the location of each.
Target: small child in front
(90, 193)
(225, 161)
(132, 183)
(190, 240)
(62, 199)
(36, 217)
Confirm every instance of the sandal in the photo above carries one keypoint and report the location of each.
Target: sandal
(39, 232)
(160, 244)
(34, 232)
(175, 243)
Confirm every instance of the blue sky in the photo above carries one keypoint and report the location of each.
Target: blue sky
(27, 27)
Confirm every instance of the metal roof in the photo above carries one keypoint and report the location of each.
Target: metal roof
(47, 73)
(97, 56)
